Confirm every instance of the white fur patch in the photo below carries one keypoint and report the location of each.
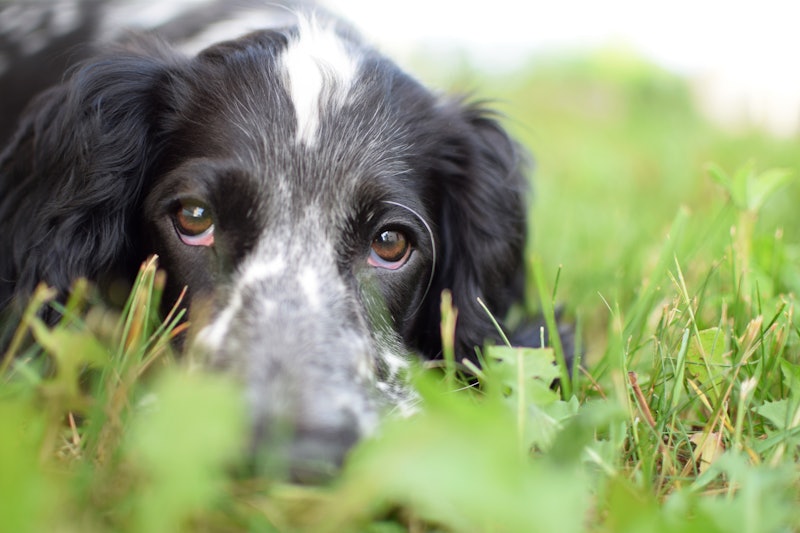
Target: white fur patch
(319, 72)
(395, 363)
(213, 334)
(310, 285)
(258, 270)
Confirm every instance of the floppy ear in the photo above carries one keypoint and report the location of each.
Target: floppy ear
(72, 175)
(482, 228)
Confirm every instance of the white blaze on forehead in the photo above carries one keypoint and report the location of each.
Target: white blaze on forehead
(320, 71)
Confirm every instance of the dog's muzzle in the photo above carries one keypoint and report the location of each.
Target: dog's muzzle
(309, 363)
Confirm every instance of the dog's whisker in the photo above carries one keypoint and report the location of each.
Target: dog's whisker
(433, 252)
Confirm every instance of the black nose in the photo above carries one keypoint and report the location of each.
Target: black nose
(304, 454)
(317, 454)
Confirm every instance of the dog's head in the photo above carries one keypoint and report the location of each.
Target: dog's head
(314, 199)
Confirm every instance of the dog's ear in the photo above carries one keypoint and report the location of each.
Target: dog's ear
(481, 228)
(73, 173)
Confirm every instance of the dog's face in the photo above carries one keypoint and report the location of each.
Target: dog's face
(296, 206)
(314, 199)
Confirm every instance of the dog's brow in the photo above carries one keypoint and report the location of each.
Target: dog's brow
(317, 66)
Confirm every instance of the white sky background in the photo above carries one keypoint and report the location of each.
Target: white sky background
(744, 56)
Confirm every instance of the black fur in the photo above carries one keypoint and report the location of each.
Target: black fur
(90, 182)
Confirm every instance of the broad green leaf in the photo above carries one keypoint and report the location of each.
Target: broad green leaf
(534, 369)
(764, 499)
(780, 413)
(581, 426)
(707, 361)
(791, 374)
(414, 462)
(182, 445)
(26, 496)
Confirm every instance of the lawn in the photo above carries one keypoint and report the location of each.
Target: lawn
(672, 245)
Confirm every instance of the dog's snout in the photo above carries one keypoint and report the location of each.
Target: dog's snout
(316, 371)
(308, 453)
(317, 453)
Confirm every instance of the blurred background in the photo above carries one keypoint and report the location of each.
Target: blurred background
(737, 56)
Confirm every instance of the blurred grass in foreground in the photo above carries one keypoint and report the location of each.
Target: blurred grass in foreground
(675, 246)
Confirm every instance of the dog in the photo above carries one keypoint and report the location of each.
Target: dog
(315, 200)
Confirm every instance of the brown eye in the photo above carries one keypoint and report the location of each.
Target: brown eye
(390, 249)
(194, 224)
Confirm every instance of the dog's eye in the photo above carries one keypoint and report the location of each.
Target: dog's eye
(390, 249)
(194, 224)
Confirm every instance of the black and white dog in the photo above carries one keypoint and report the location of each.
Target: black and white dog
(315, 199)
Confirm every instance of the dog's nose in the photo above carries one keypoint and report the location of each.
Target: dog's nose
(311, 452)
(318, 453)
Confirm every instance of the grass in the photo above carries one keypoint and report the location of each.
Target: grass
(673, 246)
